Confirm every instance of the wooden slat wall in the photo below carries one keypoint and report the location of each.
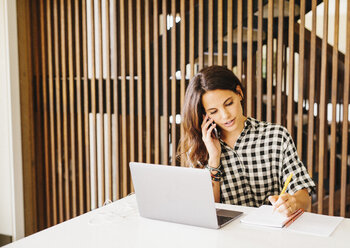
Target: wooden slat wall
(111, 80)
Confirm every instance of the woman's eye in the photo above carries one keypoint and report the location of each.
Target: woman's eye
(213, 112)
(229, 103)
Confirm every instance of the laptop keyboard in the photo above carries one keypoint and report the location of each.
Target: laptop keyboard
(222, 219)
(224, 215)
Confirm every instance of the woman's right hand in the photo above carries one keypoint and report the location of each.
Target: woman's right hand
(212, 144)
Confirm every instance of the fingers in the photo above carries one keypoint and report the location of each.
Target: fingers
(273, 199)
(206, 130)
(285, 204)
(205, 120)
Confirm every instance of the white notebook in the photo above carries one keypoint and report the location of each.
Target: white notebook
(264, 216)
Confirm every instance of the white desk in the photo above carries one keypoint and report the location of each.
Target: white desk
(119, 225)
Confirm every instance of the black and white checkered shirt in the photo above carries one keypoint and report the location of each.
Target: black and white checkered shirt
(258, 165)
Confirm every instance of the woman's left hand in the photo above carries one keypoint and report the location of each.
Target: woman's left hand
(285, 204)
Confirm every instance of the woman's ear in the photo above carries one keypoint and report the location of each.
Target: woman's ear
(240, 92)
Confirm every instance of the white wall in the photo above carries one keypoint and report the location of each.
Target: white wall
(11, 185)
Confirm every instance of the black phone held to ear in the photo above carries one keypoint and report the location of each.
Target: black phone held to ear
(215, 132)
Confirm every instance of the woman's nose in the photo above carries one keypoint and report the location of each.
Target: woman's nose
(225, 114)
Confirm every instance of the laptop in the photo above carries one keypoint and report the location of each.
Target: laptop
(178, 194)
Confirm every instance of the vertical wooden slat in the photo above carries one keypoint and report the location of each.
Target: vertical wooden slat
(37, 108)
(269, 61)
(220, 33)
(65, 109)
(123, 96)
(285, 85)
(249, 85)
(229, 34)
(72, 111)
(210, 33)
(317, 124)
(254, 82)
(86, 150)
(165, 146)
(279, 62)
(139, 81)
(58, 116)
(93, 99)
(334, 111)
(46, 141)
(156, 82)
(26, 74)
(322, 107)
(345, 131)
(132, 82)
(148, 82)
(290, 111)
(107, 40)
(301, 79)
(310, 137)
(183, 65)
(79, 107)
(173, 78)
(200, 34)
(259, 62)
(239, 39)
(192, 34)
(100, 103)
(86, 109)
(116, 104)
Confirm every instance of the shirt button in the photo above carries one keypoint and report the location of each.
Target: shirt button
(243, 134)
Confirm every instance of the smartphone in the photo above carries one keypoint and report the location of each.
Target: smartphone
(216, 131)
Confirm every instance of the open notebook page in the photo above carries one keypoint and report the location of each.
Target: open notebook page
(316, 224)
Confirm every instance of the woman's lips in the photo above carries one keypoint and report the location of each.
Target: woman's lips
(229, 123)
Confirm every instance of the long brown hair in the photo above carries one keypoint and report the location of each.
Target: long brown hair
(191, 146)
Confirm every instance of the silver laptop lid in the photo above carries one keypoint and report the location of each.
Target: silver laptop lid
(175, 194)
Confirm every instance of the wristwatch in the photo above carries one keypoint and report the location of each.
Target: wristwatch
(212, 169)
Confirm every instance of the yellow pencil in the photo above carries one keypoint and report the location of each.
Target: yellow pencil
(286, 184)
(284, 189)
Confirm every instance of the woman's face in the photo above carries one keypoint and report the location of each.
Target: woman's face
(224, 107)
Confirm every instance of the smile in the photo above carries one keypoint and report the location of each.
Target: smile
(229, 123)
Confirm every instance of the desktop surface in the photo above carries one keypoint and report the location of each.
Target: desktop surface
(120, 225)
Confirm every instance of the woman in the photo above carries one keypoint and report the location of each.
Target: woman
(249, 160)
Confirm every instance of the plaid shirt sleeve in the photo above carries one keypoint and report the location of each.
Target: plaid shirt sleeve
(292, 164)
